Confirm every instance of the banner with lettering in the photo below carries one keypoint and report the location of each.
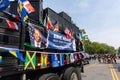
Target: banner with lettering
(42, 39)
(60, 42)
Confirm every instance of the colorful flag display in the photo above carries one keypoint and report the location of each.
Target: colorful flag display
(61, 58)
(49, 23)
(4, 4)
(67, 58)
(68, 33)
(29, 8)
(72, 59)
(24, 8)
(17, 54)
(12, 25)
(43, 60)
(56, 27)
(22, 11)
(30, 59)
(76, 56)
(11, 16)
(55, 61)
(80, 36)
(0, 59)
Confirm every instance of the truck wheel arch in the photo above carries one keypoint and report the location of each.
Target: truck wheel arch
(49, 76)
(72, 72)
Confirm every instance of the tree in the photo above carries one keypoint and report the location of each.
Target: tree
(119, 50)
(95, 47)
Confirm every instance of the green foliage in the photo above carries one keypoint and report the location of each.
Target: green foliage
(95, 47)
(119, 50)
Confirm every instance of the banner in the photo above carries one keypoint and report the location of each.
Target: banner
(42, 39)
(37, 36)
(60, 42)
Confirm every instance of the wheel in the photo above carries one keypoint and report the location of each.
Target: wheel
(72, 73)
(49, 76)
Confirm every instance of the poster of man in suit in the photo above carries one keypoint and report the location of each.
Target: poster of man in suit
(37, 38)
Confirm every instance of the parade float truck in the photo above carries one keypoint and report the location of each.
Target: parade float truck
(30, 50)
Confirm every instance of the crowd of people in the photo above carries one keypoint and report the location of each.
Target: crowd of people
(106, 58)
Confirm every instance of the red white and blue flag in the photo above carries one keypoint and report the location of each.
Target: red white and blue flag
(24, 8)
(11, 16)
(12, 25)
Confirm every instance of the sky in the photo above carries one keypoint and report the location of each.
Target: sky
(99, 18)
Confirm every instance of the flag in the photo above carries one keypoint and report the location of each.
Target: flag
(62, 59)
(22, 11)
(45, 21)
(17, 54)
(4, 4)
(72, 58)
(29, 8)
(12, 25)
(75, 56)
(43, 60)
(30, 59)
(11, 16)
(79, 36)
(67, 58)
(0, 59)
(55, 61)
(49, 23)
(67, 32)
(56, 27)
(24, 15)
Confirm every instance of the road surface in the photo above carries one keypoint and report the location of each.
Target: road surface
(101, 71)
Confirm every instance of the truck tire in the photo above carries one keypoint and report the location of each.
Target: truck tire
(49, 76)
(72, 73)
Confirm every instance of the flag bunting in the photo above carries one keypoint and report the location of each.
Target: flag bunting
(43, 60)
(56, 27)
(30, 59)
(17, 54)
(12, 25)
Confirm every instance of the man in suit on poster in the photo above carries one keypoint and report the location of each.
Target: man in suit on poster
(37, 37)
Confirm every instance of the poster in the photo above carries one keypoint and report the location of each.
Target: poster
(60, 42)
(37, 36)
(41, 38)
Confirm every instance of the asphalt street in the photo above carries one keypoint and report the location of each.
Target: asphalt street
(101, 71)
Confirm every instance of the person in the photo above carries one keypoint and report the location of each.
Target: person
(37, 37)
(99, 58)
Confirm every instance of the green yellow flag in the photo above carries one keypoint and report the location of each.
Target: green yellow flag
(43, 60)
(30, 59)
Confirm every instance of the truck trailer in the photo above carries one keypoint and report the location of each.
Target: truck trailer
(45, 46)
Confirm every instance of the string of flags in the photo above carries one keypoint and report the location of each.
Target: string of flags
(24, 8)
(4, 4)
(34, 59)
